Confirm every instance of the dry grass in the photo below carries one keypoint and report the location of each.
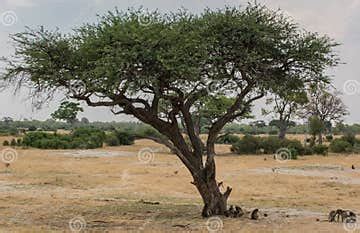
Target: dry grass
(43, 190)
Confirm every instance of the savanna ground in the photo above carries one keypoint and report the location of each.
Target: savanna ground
(114, 190)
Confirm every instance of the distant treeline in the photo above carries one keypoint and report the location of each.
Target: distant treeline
(9, 127)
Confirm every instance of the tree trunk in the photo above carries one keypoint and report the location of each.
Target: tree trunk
(215, 202)
(282, 133)
(320, 139)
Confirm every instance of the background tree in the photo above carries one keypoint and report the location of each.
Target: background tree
(84, 120)
(7, 120)
(68, 112)
(325, 104)
(135, 68)
(316, 127)
(284, 108)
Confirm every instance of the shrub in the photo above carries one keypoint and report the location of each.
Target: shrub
(308, 150)
(329, 137)
(13, 142)
(19, 142)
(81, 138)
(147, 132)
(350, 138)
(340, 146)
(293, 154)
(6, 143)
(247, 145)
(112, 140)
(270, 144)
(227, 139)
(266, 145)
(320, 149)
(125, 138)
(294, 144)
(273, 132)
(32, 128)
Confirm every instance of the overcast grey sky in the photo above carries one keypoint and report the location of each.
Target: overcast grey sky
(337, 18)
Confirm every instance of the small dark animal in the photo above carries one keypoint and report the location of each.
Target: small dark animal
(353, 167)
(345, 215)
(255, 214)
(238, 212)
(332, 216)
(7, 165)
(230, 212)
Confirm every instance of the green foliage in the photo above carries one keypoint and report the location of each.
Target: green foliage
(125, 138)
(6, 143)
(329, 137)
(316, 126)
(112, 140)
(267, 145)
(340, 146)
(350, 138)
(67, 112)
(273, 132)
(145, 131)
(227, 139)
(308, 150)
(82, 138)
(32, 128)
(247, 145)
(13, 142)
(320, 149)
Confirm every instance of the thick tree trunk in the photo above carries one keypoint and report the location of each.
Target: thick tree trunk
(215, 202)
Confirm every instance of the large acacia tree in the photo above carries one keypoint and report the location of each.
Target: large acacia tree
(136, 67)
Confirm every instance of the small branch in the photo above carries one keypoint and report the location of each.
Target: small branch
(227, 192)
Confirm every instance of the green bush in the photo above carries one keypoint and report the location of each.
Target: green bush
(81, 138)
(112, 140)
(247, 145)
(294, 144)
(350, 138)
(308, 150)
(293, 154)
(19, 142)
(227, 139)
(267, 145)
(340, 146)
(32, 128)
(146, 131)
(329, 138)
(320, 149)
(270, 144)
(125, 138)
(273, 132)
(13, 142)
(6, 143)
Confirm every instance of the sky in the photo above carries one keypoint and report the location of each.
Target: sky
(337, 18)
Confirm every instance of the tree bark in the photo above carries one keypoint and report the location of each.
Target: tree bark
(215, 202)
(282, 133)
(320, 139)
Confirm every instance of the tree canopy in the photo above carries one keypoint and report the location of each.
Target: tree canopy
(172, 60)
(67, 111)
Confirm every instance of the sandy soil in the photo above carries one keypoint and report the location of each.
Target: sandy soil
(115, 190)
